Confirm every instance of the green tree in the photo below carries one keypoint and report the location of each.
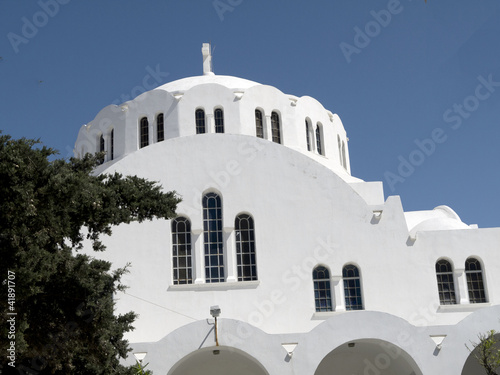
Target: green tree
(65, 323)
(487, 353)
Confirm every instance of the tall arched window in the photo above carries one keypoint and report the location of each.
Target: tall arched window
(219, 120)
(446, 285)
(275, 127)
(181, 251)
(144, 132)
(160, 131)
(340, 150)
(101, 148)
(200, 121)
(319, 139)
(344, 161)
(352, 288)
(475, 283)
(112, 144)
(322, 290)
(259, 126)
(245, 248)
(213, 238)
(308, 135)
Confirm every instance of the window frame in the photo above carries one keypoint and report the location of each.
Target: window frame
(143, 132)
(160, 127)
(445, 279)
(213, 239)
(247, 271)
(259, 134)
(480, 287)
(200, 121)
(275, 127)
(323, 301)
(219, 120)
(176, 257)
(352, 283)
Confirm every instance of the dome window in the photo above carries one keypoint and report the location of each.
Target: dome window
(275, 127)
(200, 121)
(259, 126)
(160, 132)
(308, 135)
(219, 120)
(144, 132)
(319, 139)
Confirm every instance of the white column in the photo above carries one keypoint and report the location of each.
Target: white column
(230, 255)
(460, 279)
(268, 133)
(198, 256)
(337, 286)
(210, 122)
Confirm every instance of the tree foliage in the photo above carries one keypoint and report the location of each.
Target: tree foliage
(487, 353)
(65, 322)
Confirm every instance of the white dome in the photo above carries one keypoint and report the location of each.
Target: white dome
(185, 84)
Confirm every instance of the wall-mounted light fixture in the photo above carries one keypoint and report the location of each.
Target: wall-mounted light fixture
(215, 312)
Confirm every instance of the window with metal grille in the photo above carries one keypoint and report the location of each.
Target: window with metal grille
(259, 126)
(160, 132)
(319, 139)
(308, 135)
(245, 248)
(181, 251)
(352, 288)
(275, 127)
(322, 290)
(144, 132)
(446, 285)
(475, 283)
(213, 238)
(219, 120)
(200, 121)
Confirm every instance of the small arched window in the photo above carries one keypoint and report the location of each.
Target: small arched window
(446, 285)
(475, 283)
(245, 248)
(308, 135)
(219, 120)
(275, 127)
(160, 131)
(352, 288)
(340, 150)
(144, 132)
(101, 148)
(322, 290)
(213, 238)
(319, 139)
(112, 144)
(344, 161)
(181, 251)
(259, 125)
(200, 121)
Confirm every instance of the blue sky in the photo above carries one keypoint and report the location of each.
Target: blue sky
(417, 85)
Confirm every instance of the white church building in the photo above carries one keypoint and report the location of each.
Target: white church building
(307, 269)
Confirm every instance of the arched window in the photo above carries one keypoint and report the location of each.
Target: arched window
(352, 288)
(112, 144)
(275, 127)
(259, 126)
(322, 291)
(144, 132)
(200, 121)
(219, 120)
(475, 283)
(344, 161)
(340, 150)
(308, 135)
(214, 246)
(446, 285)
(160, 132)
(319, 139)
(101, 148)
(245, 248)
(181, 251)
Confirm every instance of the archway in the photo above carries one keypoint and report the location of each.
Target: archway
(472, 366)
(218, 360)
(368, 357)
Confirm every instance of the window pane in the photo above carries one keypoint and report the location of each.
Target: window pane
(214, 247)
(181, 251)
(245, 248)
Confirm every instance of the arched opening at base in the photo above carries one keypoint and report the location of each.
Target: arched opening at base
(368, 356)
(472, 366)
(218, 360)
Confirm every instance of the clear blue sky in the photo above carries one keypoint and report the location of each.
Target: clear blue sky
(396, 72)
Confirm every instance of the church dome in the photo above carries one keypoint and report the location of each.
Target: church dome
(185, 84)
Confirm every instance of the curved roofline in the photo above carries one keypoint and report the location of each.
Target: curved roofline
(187, 83)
